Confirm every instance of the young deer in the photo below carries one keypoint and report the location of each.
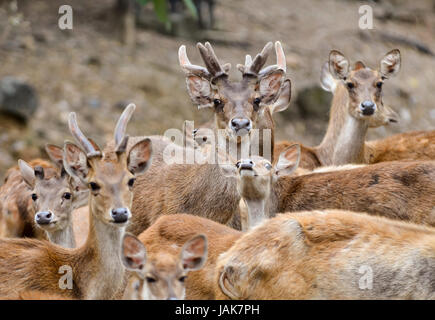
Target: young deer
(397, 190)
(159, 273)
(16, 208)
(240, 106)
(170, 233)
(329, 254)
(356, 105)
(54, 199)
(97, 270)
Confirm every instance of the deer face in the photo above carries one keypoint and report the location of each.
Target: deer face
(254, 178)
(110, 177)
(162, 275)
(238, 106)
(364, 86)
(52, 197)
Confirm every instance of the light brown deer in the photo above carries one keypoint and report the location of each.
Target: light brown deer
(356, 105)
(171, 232)
(397, 190)
(240, 106)
(329, 254)
(159, 272)
(192, 188)
(16, 208)
(96, 269)
(54, 200)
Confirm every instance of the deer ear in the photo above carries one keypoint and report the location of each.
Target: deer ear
(288, 160)
(390, 63)
(139, 157)
(27, 172)
(284, 97)
(269, 86)
(338, 65)
(226, 283)
(327, 81)
(194, 253)
(75, 162)
(133, 253)
(199, 90)
(55, 154)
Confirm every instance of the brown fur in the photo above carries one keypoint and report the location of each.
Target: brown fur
(397, 190)
(169, 233)
(318, 255)
(15, 196)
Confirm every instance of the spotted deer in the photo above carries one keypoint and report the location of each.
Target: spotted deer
(96, 269)
(329, 254)
(356, 106)
(239, 106)
(170, 233)
(159, 273)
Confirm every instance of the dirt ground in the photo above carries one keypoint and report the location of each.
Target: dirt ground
(88, 70)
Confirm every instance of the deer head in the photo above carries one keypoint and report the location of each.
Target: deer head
(363, 85)
(109, 176)
(237, 105)
(162, 275)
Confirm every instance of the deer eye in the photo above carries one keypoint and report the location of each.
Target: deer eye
(182, 279)
(350, 85)
(217, 102)
(379, 84)
(150, 280)
(67, 195)
(131, 182)
(268, 166)
(94, 186)
(34, 197)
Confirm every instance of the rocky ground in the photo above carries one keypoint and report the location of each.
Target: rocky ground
(90, 71)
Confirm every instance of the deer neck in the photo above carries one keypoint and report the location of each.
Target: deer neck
(102, 254)
(64, 238)
(258, 211)
(345, 137)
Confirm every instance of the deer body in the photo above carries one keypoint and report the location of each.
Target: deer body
(325, 255)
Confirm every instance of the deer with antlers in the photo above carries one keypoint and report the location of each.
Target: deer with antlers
(190, 188)
(329, 254)
(96, 268)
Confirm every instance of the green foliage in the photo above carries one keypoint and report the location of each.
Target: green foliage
(161, 9)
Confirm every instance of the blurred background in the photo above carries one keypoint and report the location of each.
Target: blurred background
(122, 51)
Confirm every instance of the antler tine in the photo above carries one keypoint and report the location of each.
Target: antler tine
(191, 68)
(210, 59)
(121, 126)
(80, 137)
(260, 59)
(280, 61)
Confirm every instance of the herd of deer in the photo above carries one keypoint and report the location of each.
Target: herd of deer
(299, 224)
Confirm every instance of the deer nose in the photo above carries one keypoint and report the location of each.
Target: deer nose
(120, 215)
(43, 217)
(240, 123)
(245, 165)
(368, 108)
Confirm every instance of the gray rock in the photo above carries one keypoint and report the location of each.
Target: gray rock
(17, 98)
(314, 102)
